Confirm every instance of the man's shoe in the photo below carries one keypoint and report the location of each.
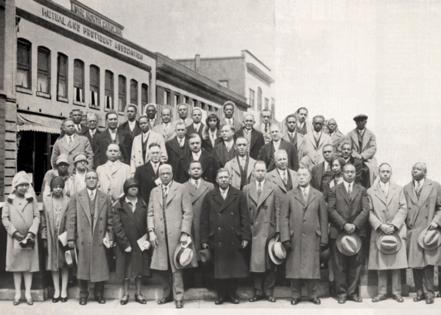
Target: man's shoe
(140, 298)
(256, 297)
(179, 304)
(101, 300)
(219, 300)
(124, 300)
(165, 300)
(378, 298)
(429, 299)
(234, 299)
(418, 298)
(355, 298)
(83, 301)
(341, 300)
(316, 300)
(271, 298)
(295, 301)
(398, 298)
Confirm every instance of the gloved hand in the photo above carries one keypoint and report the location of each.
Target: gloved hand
(18, 236)
(287, 245)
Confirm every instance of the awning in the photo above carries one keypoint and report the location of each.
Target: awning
(31, 122)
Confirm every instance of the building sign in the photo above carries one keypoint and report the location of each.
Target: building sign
(96, 18)
(89, 33)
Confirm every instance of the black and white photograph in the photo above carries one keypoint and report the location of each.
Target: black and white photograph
(213, 156)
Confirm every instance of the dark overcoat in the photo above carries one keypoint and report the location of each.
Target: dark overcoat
(128, 227)
(224, 225)
(305, 224)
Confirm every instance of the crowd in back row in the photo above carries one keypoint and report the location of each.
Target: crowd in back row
(178, 194)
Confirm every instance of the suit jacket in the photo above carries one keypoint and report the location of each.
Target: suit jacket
(175, 153)
(266, 154)
(209, 165)
(169, 218)
(368, 150)
(236, 123)
(80, 144)
(296, 140)
(233, 167)
(256, 142)
(168, 132)
(84, 129)
(221, 153)
(191, 129)
(275, 178)
(147, 180)
(206, 142)
(422, 212)
(127, 137)
(197, 197)
(336, 139)
(92, 140)
(266, 135)
(111, 178)
(137, 158)
(390, 209)
(344, 209)
(313, 151)
(87, 227)
(102, 141)
(319, 178)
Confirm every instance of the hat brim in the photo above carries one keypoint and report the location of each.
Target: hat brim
(343, 250)
(425, 246)
(270, 252)
(385, 250)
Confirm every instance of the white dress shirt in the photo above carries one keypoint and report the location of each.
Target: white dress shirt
(132, 125)
(132, 203)
(196, 156)
(349, 186)
(224, 193)
(276, 145)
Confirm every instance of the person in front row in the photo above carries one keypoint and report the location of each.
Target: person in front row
(130, 225)
(423, 198)
(348, 210)
(304, 233)
(387, 252)
(89, 223)
(21, 218)
(53, 224)
(263, 206)
(225, 230)
(169, 221)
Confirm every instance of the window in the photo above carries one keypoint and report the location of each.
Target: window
(166, 98)
(44, 71)
(251, 99)
(144, 94)
(23, 64)
(108, 89)
(134, 92)
(224, 83)
(94, 86)
(194, 102)
(122, 93)
(176, 99)
(62, 76)
(259, 98)
(210, 108)
(266, 103)
(78, 81)
(186, 99)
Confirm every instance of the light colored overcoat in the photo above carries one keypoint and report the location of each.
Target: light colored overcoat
(233, 167)
(111, 176)
(390, 209)
(169, 219)
(80, 144)
(422, 212)
(89, 234)
(368, 150)
(264, 213)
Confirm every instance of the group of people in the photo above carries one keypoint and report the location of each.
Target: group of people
(218, 202)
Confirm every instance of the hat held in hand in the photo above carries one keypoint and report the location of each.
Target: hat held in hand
(348, 244)
(429, 239)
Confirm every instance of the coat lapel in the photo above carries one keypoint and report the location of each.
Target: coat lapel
(425, 191)
(278, 181)
(410, 188)
(100, 199)
(197, 193)
(298, 195)
(342, 189)
(230, 197)
(379, 193)
(264, 195)
(171, 193)
(84, 201)
(311, 196)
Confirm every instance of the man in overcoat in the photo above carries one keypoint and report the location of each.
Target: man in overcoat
(225, 149)
(304, 232)
(423, 198)
(283, 177)
(177, 148)
(169, 222)
(197, 188)
(313, 142)
(387, 215)
(290, 133)
(321, 174)
(197, 126)
(166, 128)
(254, 137)
(263, 207)
(128, 130)
(147, 175)
(108, 136)
(88, 223)
(348, 210)
(225, 230)
(242, 165)
(71, 144)
(113, 173)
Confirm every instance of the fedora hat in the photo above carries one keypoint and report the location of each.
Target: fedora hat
(276, 251)
(429, 239)
(388, 243)
(348, 244)
(205, 255)
(183, 255)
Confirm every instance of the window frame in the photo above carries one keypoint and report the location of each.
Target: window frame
(94, 87)
(75, 86)
(25, 67)
(109, 93)
(122, 93)
(62, 78)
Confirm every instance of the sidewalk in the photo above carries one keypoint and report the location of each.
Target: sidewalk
(282, 306)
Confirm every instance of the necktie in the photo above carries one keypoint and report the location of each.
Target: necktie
(284, 179)
(259, 189)
(266, 127)
(350, 189)
(164, 192)
(305, 195)
(196, 183)
(69, 139)
(418, 189)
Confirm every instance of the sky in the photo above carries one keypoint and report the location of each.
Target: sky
(338, 58)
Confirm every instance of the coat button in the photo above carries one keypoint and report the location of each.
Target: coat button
(219, 228)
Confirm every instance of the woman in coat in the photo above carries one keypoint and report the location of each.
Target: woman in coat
(53, 224)
(21, 219)
(129, 225)
(211, 132)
